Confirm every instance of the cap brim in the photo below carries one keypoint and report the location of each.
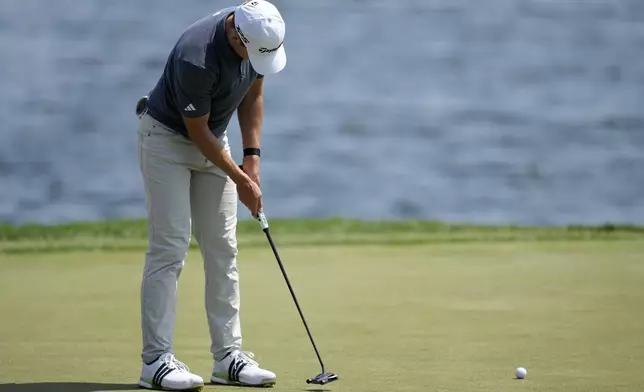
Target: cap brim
(268, 64)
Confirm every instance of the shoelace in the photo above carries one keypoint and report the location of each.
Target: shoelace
(247, 357)
(174, 363)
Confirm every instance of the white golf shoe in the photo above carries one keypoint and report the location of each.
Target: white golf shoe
(239, 368)
(168, 374)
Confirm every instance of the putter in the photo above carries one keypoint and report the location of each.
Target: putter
(324, 377)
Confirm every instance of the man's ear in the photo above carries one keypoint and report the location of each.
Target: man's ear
(236, 39)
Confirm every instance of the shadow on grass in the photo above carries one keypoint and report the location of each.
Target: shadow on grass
(65, 387)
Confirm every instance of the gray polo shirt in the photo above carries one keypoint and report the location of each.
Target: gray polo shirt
(202, 74)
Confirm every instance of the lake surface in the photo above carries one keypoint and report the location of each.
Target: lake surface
(491, 111)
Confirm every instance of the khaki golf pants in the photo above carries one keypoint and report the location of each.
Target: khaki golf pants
(185, 191)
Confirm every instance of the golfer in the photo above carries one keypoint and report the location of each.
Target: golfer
(192, 183)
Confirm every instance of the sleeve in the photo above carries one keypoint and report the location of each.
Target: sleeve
(192, 86)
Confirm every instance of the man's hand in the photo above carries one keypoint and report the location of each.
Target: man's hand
(251, 196)
(251, 167)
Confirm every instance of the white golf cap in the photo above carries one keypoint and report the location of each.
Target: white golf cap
(262, 29)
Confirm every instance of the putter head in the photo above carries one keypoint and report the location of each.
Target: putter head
(322, 378)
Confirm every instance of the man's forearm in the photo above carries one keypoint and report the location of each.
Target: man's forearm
(250, 113)
(210, 147)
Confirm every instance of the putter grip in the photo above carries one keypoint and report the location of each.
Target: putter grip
(262, 220)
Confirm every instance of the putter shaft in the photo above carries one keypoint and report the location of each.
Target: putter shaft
(290, 288)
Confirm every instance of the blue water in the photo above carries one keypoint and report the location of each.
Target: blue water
(492, 111)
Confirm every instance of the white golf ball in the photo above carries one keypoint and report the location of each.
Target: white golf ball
(521, 373)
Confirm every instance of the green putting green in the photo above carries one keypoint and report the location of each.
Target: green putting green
(428, 316)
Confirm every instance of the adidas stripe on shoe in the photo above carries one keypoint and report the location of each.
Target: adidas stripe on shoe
(238, 368)
(169, 374)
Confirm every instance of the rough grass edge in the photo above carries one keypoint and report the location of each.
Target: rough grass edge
(123, 235)
(138, 228)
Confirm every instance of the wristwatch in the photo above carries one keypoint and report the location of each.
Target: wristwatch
(251, 151)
